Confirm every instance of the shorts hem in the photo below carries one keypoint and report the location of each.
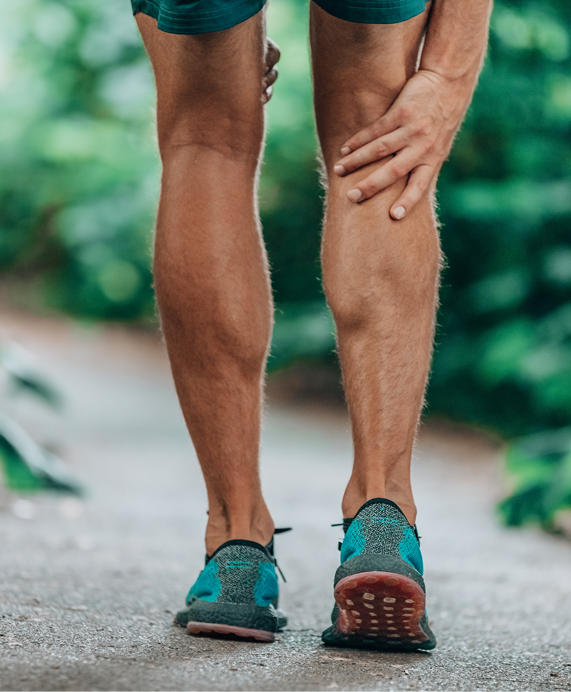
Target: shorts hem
(199, 22)
(388, 12)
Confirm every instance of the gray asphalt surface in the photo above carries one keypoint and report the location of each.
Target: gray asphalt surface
(88, 589)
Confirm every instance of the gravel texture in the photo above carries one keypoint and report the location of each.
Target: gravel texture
(88, 589)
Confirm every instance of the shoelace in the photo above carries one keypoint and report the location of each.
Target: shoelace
(270, 549)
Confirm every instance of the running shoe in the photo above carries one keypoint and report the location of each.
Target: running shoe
(380, 597)
(236, 594)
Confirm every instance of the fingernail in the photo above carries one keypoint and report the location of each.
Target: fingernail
(339, 169)
(354, 195)
(345, 151)
(399, 212)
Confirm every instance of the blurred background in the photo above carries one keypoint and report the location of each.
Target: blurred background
(79, 179)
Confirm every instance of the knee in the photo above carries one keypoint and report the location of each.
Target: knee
(188, 133)
(209, 115)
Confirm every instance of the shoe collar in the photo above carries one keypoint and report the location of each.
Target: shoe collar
(378, 501)
(266, 550)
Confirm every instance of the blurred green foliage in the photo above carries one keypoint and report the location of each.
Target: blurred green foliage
(504, 347)
(78, 170)
(26, 466)
(540, 466)
(79, 179)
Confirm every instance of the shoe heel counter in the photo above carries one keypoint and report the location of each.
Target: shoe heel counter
(382, 529)
(246, 576)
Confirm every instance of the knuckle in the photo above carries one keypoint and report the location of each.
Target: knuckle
(368, 188)
(374, 128)
(416, 189)
(405, 112)
(398, 170)
(377, 129)
(380, 149)
(423, 126)
(427, 145)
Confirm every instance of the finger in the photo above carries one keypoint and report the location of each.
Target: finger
(374, 151)
(272, 54)
(382, 126)
(267, 95)
(267, 85)
(419, 181)
(383, 177)
(270, 78)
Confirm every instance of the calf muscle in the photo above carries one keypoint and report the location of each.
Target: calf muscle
(380, 275)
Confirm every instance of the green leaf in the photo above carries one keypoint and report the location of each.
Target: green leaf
(23, 374)
(28, 467)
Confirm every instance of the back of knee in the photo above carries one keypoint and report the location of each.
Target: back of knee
(224, 132)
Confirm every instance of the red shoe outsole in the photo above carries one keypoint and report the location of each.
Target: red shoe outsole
(381, 607)
(244, 632)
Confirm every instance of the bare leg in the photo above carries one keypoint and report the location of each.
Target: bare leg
(211, 271)
(380, 275)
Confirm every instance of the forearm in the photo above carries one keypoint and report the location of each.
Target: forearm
(456, 39)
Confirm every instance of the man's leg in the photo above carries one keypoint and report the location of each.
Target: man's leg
(380, 278)
(380, 275)
(211, 272)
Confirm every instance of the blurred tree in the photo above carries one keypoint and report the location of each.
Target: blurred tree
(503, 356)
(78, 171)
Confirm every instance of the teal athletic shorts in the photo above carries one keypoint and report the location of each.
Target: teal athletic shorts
(203, 16)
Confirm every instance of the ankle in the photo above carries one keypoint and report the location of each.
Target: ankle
(357, 493)
(223, 526)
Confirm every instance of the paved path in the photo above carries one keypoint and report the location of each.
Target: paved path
(88, 590)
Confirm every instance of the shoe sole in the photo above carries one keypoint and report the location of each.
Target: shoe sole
(228, 630)
(380, 609)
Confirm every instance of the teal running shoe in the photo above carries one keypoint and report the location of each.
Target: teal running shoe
(236, 594)
(380, 597)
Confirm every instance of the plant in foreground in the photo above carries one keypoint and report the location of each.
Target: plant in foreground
(26, 465)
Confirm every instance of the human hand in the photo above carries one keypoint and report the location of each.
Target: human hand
(416, 133)
(271, 74)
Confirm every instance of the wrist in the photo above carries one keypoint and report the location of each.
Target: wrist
(457, 76)
(457, 89)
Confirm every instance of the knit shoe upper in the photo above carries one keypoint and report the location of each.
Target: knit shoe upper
(238, 572)
(380, 528)
(236, 593)
(378, 588)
